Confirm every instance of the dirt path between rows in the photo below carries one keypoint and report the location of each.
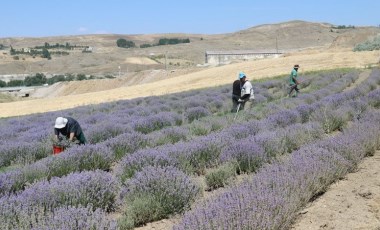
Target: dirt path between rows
(362, 77)
(351, 203)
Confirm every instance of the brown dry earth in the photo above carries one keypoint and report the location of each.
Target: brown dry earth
(351, 203)
(309, 60)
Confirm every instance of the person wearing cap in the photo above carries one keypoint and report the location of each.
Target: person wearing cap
(293, 81)
(69, 128)
(246, 92)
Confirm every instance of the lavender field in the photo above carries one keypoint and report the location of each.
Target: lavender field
(156, 157)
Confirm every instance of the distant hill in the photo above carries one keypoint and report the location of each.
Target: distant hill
(107, 57)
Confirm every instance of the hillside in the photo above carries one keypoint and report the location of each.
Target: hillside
(107, 57)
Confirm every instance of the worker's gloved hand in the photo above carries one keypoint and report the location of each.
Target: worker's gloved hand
(240, 101)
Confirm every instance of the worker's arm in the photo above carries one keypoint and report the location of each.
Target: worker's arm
(71, 138)
(56, 134)
(295, 78)
(245, 97)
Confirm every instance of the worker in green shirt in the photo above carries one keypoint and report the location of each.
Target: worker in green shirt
(293, 81)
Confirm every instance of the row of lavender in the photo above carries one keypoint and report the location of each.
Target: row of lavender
(256, 143)
(91, 157)
(271, 198)
(148, 172)
(28, 138)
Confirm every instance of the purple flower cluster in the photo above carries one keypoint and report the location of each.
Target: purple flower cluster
(135, 162)
(35, 218)
(87, 189)
(77, 158)
(156, 122)
(171, 187)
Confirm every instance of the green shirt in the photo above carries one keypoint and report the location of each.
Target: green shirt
(293, 77)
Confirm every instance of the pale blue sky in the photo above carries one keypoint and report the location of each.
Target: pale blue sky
(39, 18)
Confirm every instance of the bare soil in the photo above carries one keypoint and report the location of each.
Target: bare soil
(351, 203)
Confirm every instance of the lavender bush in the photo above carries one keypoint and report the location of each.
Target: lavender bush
(127, 143)
(36, 218)
(98, 189)
(248, 155)
(135, 162)
(167, 189)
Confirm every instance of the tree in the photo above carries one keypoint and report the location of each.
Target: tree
(3, 83)
(70, 77)
(121, 42)
(46, 53)
(13, 51)
(13, 83)
(38, 79)
(81, 77)
(55, 79)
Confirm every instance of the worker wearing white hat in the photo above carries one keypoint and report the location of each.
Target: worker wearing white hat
(70, 128)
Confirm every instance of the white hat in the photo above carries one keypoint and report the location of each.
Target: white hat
(60, 122)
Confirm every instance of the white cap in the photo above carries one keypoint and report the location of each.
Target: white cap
(60, 122)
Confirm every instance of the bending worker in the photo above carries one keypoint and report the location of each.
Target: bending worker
(293, 81)
(246, 95)
(70, 128)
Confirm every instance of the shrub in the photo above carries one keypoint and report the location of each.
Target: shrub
(76, 189)
(156, 122)
(35, 218)
(330, 118)
(195, 113)
(220, 176)
(374, 98)
(368, 45)
(135, 162)
(157, 192)
(248, 155)
(126, 143)
(199, 154)
(170, 135)
(104, 131)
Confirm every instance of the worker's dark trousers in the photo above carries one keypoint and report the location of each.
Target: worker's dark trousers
(235, 103)
(291, 88)
(82, 139)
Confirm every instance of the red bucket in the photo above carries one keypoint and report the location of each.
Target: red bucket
(57, 149)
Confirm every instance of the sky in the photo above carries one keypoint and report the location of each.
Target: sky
(41, 18)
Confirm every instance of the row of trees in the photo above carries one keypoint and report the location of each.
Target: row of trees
(123, 43)
(343, 27)
(67, 46)
(166, 41)
(40, 79)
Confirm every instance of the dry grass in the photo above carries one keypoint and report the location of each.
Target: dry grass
(309, 60)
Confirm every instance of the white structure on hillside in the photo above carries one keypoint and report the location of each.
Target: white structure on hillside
(224, 57)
